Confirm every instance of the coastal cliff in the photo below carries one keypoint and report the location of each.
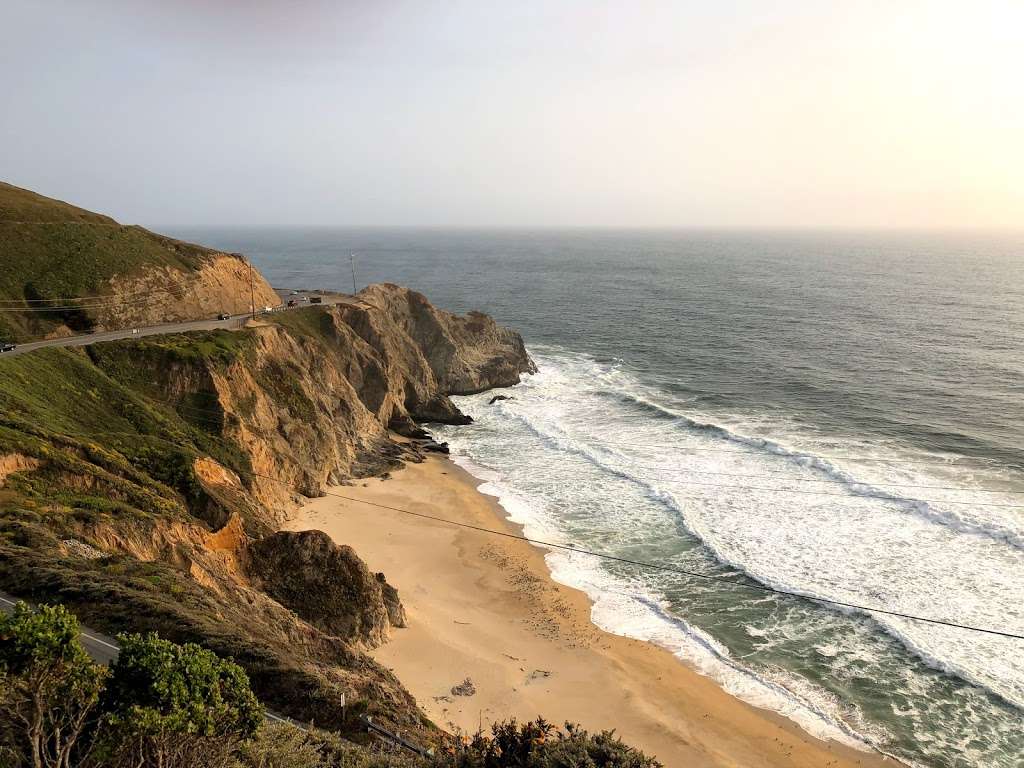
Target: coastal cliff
(145, 484)
(309, 397)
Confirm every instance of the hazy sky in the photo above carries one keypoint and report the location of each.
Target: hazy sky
(894, 113)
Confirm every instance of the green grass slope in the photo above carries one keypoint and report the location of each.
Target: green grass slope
(51, 251)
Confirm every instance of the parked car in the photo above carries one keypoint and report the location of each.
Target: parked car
(266, 311)
(8, 347)
(316, 300)
(294, 293)
(305, 298)
(292, 303)
(223, 316)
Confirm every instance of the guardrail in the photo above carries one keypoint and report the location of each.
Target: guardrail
(377, 730)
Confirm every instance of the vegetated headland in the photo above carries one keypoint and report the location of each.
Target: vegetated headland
(187, 484)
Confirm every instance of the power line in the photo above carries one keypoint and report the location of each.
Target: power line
(772, 450)
(70, 307)
(99, 300)
(756, 586)
(683, 571)
(166, 288)
(222, 415)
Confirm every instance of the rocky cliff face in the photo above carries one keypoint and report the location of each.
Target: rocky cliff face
(68, 270)
(145, 483)
(310, 396)
(154, 294)
(327, 585)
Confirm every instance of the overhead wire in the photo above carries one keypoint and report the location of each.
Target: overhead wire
(220, 415)
(751, 585)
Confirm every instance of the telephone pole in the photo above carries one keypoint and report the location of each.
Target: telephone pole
(252, 293)
(353, 257)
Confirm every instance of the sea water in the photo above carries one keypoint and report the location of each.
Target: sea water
(838, 415)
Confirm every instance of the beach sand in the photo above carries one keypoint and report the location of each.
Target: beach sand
(484, 607)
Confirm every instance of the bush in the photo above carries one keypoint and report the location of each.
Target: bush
(538, 744)
(174, 705)
(49, 687)
(285, 746)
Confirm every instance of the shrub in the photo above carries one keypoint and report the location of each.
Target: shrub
(174, 705)
(48, 687)
(538, 744)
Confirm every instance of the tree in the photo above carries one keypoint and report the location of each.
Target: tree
(169, 705)
(48, 685)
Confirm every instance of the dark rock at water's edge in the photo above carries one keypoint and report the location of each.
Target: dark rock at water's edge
(440, 410)
(435, 447)
(496, 398)
(406, 427)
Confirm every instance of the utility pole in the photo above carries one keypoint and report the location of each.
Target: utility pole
(252, 293)
(353, 256)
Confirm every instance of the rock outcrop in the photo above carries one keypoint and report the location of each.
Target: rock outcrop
(219, 282)
(327, 585)
(310, 396)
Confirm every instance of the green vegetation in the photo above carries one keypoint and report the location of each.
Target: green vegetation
(53, 250)
(136, 452)
(167, 705)
(22, 205)
(308, 322)
(538, 744)
(160, 704)
(48, 687)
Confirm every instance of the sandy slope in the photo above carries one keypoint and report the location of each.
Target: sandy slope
(485, 608)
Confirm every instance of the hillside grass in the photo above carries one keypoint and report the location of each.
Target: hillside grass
(54, 252)
(307, 322)
(136, 451)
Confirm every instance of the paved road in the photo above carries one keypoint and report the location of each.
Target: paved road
(100, 647)
(233, 323)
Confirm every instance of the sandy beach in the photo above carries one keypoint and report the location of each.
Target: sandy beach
(484, 608)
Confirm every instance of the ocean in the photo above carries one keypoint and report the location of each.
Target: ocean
(837, 414)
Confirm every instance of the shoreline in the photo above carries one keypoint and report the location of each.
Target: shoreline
(486, 608)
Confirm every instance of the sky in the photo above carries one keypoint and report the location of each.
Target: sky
(554, 113)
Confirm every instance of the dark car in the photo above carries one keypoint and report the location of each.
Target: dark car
(292, 303)
(7, 346)
(223, 316)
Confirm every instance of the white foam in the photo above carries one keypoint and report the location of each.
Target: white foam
(574, 468)
(619, 611)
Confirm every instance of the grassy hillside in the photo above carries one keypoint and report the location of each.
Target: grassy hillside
(53, 251)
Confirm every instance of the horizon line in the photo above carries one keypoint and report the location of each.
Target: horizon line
(882, 228)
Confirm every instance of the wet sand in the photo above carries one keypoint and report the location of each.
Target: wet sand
(484, 608)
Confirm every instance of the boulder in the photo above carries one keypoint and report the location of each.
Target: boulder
(326, 584)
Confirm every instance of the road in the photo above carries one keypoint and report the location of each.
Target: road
(232, 323)
(101, 648)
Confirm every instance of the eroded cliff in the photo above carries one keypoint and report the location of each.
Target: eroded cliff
(145, 483)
